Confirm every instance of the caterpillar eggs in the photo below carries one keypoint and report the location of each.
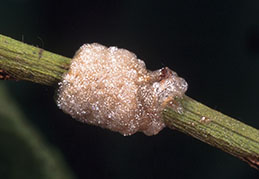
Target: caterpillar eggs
(111, 88)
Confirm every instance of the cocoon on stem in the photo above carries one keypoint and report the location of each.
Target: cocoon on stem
(111, 88)
(21, 61)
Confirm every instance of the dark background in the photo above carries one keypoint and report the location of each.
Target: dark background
(213, 44)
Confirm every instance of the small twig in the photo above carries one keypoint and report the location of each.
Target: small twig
(25, 62)
(216, 129)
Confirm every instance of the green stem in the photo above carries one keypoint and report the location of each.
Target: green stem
(25, 62)
(216, 129)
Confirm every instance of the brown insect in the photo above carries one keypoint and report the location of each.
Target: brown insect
(4, 75)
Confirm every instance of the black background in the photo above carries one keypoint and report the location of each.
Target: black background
(213, 44)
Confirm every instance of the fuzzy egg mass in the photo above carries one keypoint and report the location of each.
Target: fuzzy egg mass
(111, 88)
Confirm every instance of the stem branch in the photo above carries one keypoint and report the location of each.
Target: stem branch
(26, 62)
(216, 129)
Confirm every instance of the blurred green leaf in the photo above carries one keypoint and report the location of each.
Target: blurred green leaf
(23, 152)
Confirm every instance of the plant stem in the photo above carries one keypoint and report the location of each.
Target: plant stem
(216, 129)
(25, 62)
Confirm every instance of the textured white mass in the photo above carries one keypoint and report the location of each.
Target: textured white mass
(111, 88)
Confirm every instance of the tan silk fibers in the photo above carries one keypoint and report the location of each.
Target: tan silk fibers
(111, 88)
